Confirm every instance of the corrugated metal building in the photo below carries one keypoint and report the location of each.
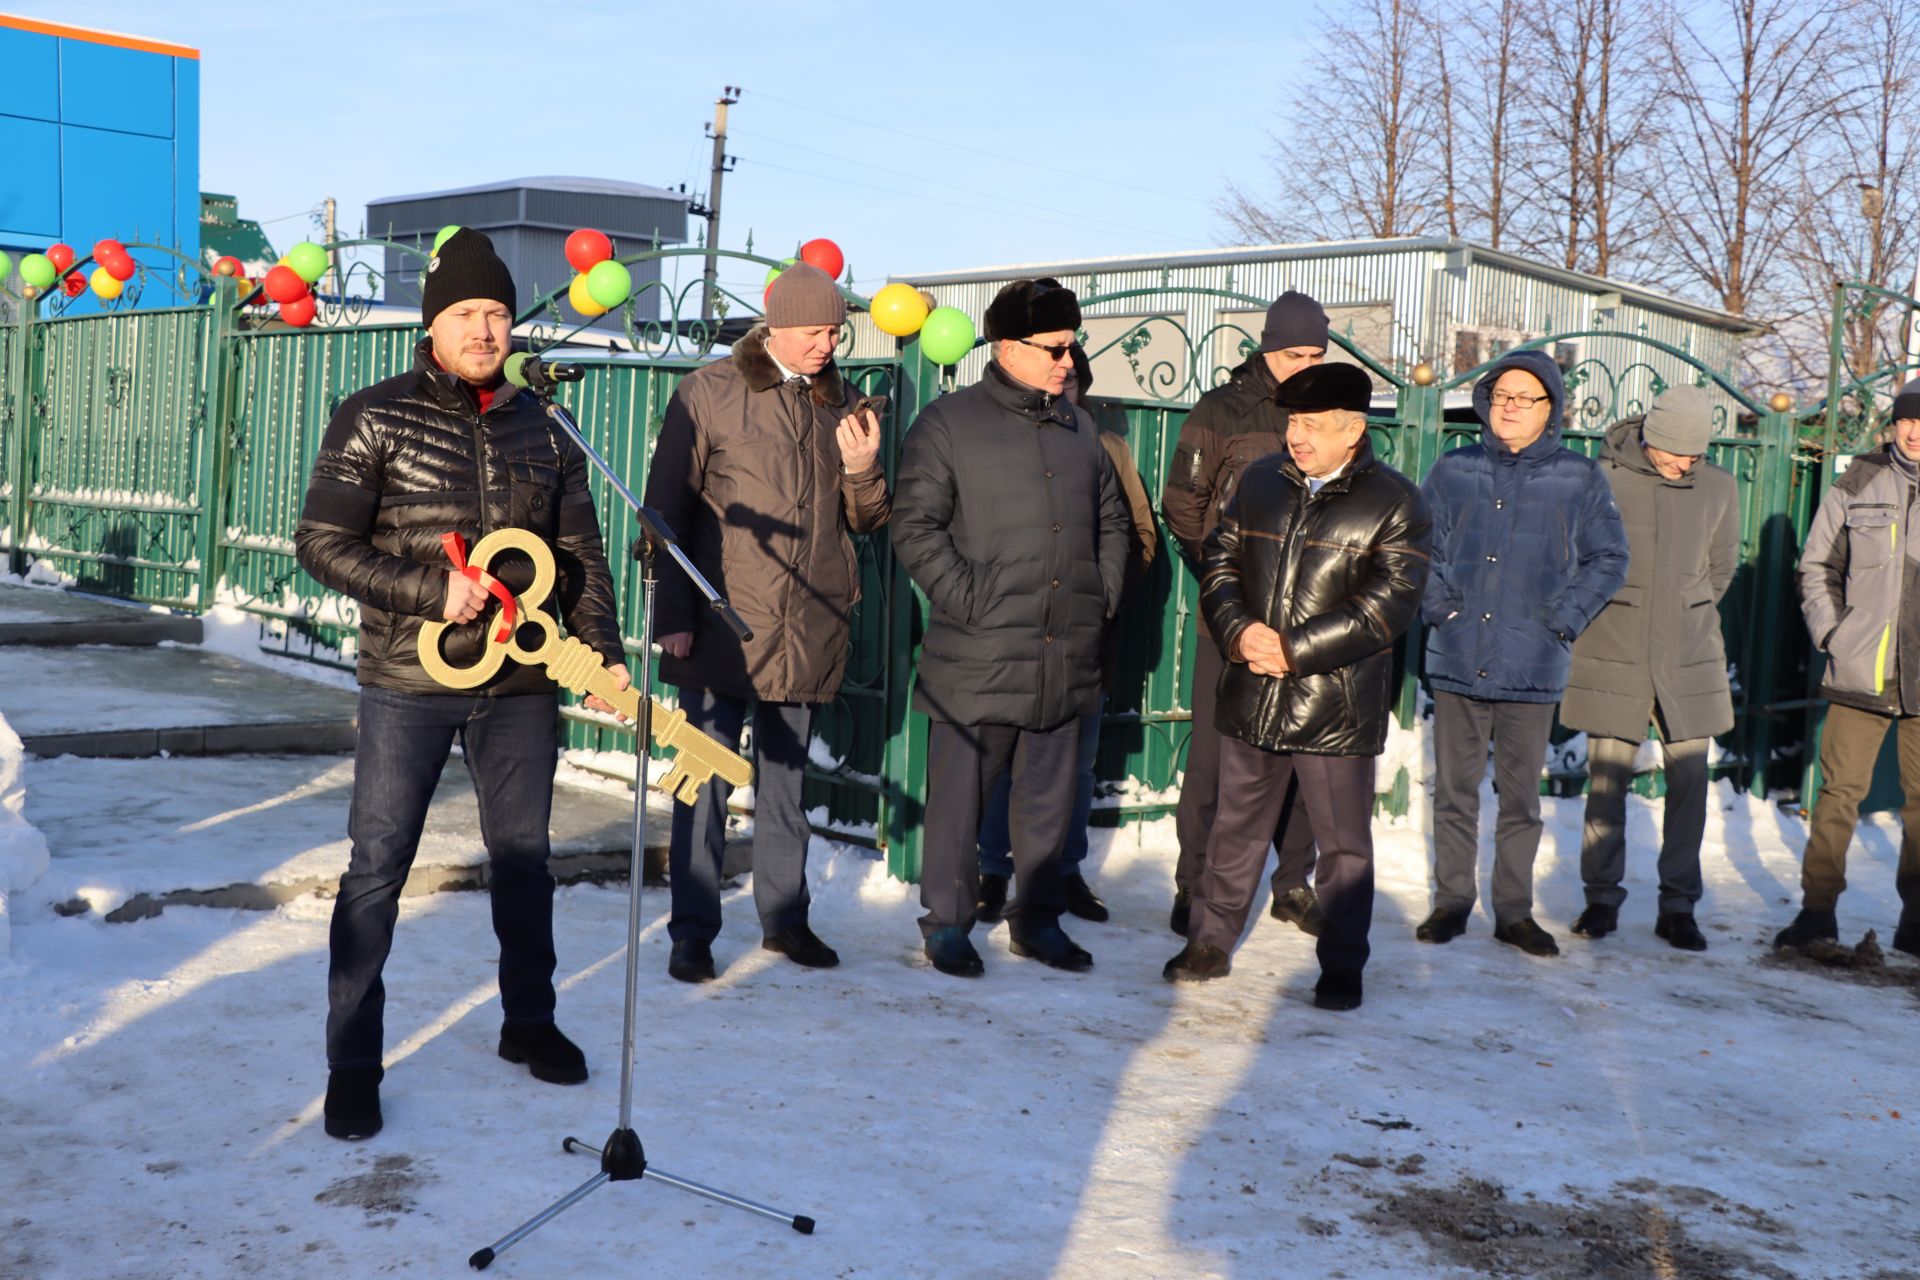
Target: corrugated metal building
(1446, 302)
(529, 220)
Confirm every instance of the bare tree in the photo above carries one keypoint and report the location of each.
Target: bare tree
(1857, 199)
(1754, 83)
(1488, 39)
(1354, 159)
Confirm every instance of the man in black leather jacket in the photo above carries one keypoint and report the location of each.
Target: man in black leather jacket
(1312, 574)
(449, 448)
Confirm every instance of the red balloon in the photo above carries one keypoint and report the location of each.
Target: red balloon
(284, 284)
(824, 254)
(587, 247)
(60, 255)
(118, 265)
(74, 283)
(299, 313)
(104, 249)
(228, 265)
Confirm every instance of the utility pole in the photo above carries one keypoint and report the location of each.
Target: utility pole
(330, 229)
(722, 164)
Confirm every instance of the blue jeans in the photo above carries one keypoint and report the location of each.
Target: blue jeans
(510, 747)
(996, 841)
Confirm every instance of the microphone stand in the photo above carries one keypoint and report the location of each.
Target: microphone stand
(622, 1159)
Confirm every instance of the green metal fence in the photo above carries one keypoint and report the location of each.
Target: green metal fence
(162, 455)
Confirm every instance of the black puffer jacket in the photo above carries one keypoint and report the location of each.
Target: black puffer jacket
(407, 460)
(1339, 575)
(1008, 514)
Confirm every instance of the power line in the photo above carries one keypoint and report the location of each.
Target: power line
(952, 186)
(992, 155)
(915, 195)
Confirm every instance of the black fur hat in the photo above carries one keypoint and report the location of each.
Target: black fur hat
(1320, 387)
(1027, 307)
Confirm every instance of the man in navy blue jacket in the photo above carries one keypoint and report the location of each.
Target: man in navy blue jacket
(1527, 547)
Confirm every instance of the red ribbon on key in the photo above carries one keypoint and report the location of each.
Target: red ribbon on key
(457, 552)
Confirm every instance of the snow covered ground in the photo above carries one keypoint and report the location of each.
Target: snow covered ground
(1624, 1111)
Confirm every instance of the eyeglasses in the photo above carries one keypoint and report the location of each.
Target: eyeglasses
(1057, 353)
(1501, 399)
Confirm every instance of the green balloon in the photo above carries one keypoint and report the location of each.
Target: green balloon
(947, 335)
(308, 260)
(37, 269)
(609, 283)
(446, 234)
(6, 266)
(773, 273)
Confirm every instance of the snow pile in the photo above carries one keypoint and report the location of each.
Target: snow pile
(23, 850)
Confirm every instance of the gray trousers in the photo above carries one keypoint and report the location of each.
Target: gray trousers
(1603, 851)
(1462, 729)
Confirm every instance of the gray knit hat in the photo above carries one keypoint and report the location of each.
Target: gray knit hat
(1679, 421)
(804, 295)
(1907, 403)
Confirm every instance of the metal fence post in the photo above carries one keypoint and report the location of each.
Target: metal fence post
(216, 439)
(19, 402)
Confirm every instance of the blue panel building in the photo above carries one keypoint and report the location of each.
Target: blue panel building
(104, 132)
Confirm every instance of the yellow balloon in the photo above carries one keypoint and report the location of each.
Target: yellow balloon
(104, 284)
(899, 310)
(582, 300)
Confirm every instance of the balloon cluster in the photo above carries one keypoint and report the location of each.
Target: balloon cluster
(946, 334)
(602, 283)
(290, 282)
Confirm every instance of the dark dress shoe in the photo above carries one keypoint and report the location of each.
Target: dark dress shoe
(1906, 937)
(1528, 936)
(1298, 907)
(691, 961)
(1182, 908)
(1597, 922)
(1053, 948)
(1080, 899)
(991, 902)
(353, 1102)
(1442, 926)
(1809, 926)
(545, 1051)
(1199, 962)
(952, 953)
(1680, 931)
(799, 945)
(1338, 991)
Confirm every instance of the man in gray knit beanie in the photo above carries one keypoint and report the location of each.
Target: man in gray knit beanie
(766, 465)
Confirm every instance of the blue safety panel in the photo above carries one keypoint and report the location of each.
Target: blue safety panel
(30, 197)
(31, 85)
(105, 87)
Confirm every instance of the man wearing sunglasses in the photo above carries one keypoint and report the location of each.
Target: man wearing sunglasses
(1008, 514)
(1654, 655)
(1527, 548)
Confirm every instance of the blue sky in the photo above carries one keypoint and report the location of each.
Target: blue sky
(920, 137)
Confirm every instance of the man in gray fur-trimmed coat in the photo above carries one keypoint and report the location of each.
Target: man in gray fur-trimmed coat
(1655, 655)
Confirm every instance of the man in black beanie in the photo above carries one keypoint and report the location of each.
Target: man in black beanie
(1007, 513)
(1228, 429)
(449, 448)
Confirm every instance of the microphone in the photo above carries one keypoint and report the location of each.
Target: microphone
(540, 376)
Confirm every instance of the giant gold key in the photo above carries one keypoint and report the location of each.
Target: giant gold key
(575, 667)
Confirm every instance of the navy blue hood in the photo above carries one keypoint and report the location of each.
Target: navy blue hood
(1540, 365)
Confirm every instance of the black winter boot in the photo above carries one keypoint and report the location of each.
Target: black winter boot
(1051, 947)
(1441, 926)
(545, 1051)
(1809, 926)
(691, 961)
(1680, 931)
(991, 902)
(800, 945)
(1906, 936)
(1182, 909)
(953, 954)
(1080, 899)
(353, 1102)
(1198, 962)
(1299, 907)
(1337, 990)
(1597, 922)
(1528, 936)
